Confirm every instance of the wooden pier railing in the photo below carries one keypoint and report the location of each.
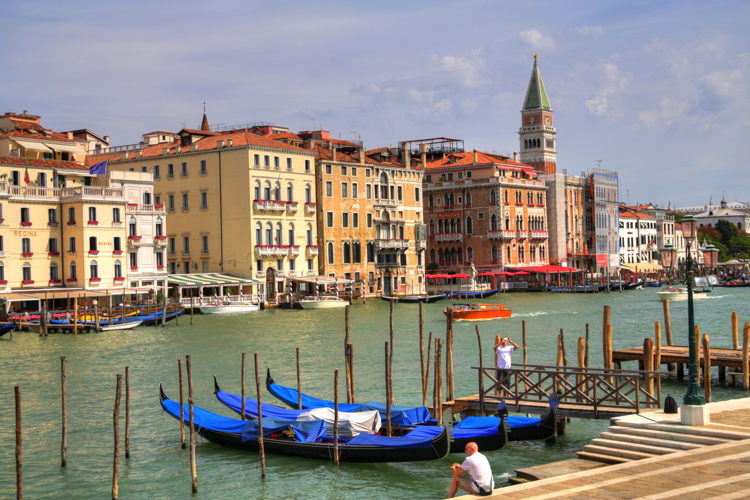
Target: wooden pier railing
(581, 391)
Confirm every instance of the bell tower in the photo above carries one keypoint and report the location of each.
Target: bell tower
(537, 133)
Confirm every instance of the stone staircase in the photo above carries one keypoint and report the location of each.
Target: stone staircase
(627, 440)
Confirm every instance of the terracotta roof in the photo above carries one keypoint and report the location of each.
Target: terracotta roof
(197, 131)
(326, 154)
(635, 215)
(13, 160)
(284, 135)
(467, 159)
(53, 136)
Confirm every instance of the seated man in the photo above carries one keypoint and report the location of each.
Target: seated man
(479, 481)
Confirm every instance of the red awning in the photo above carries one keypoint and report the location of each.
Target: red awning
(486, 274)
(459, 275)
(503, 273)
(550, 269)
(519, 273)
(436, 276)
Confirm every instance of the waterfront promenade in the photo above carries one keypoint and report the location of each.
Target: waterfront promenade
(718, 471)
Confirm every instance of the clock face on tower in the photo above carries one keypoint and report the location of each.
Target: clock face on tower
(547, 120)
(531, 120)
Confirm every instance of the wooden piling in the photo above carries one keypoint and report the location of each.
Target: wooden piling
(523, 339)
(43, 318)
(421, 359)
(182, 404)
(439, 380)
(735, 331)
(667, 321)
(96, 316)
(481, 372)
(261, 445)
(64, 411)
(745, 364)
(558, 350)
(390, 344)
(191, 416)
(608, 347)
(388, 428)
(581, 364)
(19, 445)
(426, 382)
(127, 412)
(75, 315)
(242, 386)
(192, 308)
(707, 367)
(657, 359)
(648, 364)
(347, 361)
(606, 318)
(116, 429)
(336, 415)
(697, 333)
(350, 351)
(586, 354)
(299, 381)
(562, 348)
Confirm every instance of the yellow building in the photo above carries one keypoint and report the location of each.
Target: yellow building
(236, 202)
(59, 225)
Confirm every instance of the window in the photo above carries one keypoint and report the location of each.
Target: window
(368, 191)
(469, 226)
(329, 189)
(116, 216)
(291, 235)
(344, 189)
(172, 246)
(256, 160)
(160, 260)
(27, 272)
(71, 244)
(307, 165)
(371, 252)
(186, 267)
(356, 253)
(204, 200)
(469, 254)
(133, 257)
(15, 178)
(72, 272)
(186, 244)
(53, 245)
(288, 163)
(185, 201)
(345, 219)
(159, 227)
(157, 173)
(170, 202)
(26, 246)
(204, 244)
(93, 269)
(25, 216)
(355, 219)
(309, 265)
(369, 220)
(309, 236)
(147, 198)
(328, 169)
(292, 264)
(416, 194)
(400, 193)
(203, 167)
(276, 163)
(170, 170)
(308, 194)
(290, 193)
(329, 219)
(183, 169)
(132, 227)
(92, 215)
(41, 179)
(346, 252)
(118, 269)
(266, 161)
(355, 190)
(329, 251)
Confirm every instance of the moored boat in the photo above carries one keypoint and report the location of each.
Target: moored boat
(128, 325)
(229, 308)
(413, 299)
(681, 293)
(6, 328)
(322, 302)
(477, 312)
(308, 438)
(466, 294)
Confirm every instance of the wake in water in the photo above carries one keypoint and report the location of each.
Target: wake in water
(530, 314)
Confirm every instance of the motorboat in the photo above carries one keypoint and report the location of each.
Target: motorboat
(120, 326)
(477, 312)
(229, 307)
(681, 293)
(412, 299)
(322, 302)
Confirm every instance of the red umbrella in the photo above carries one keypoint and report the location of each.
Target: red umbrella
(519, 273)
(436, 276)
(486, 274)
(459, 275)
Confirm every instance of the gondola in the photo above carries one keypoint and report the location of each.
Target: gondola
(473, 295)
(413, 299)
(308, 439)
(154, 318)
(6, 328)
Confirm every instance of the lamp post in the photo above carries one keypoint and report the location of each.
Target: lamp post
(694, 396)
(710, 257)
(668, 257)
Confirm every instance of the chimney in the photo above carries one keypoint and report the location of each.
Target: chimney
(333, 150)
(423, 154)
(219, 144)
(515, 155)
(106, 139)
(230, 143)
(164, 151)
(193, 147)
(474, 161)
(362, 156)
(70, 135)
(405, 156)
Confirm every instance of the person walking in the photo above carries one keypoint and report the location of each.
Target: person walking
(504, 351)
(479, 480)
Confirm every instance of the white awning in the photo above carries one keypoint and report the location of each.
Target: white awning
(33, 146)
(67, 148)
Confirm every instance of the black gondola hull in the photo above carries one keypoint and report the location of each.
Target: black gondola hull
(544, 430)
(485, 443)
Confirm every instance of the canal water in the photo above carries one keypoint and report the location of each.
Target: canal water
(158, 467)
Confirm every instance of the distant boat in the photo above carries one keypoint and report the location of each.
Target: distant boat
(477, 312)
(322, 302)
(473, 295)
(681, 293)
(120, 326)
(229, 308)
(6, 328)
(413, 299)
(652, 283)
(577, 288)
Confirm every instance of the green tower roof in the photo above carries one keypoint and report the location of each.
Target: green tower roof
(536, 94)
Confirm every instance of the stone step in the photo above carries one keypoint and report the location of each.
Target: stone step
(630, 446)
(686, 429)
(664, 443)
(607, 459)
(675, 436)
(517, 480)
(603, 450)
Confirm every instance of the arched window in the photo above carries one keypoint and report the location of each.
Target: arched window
(520, 254)
(356, 252)
(309, 235)
(54, 275)
(277, 192)
(159, 227)
(329, 251)
(2, 271)
(269, 234)
(258, 233)
(441, 258)
(132, 227)
(279, 240)
(440, 226)
(267, 191)
(467, 199)
(493, 197)
(72, 272)
(290, 233)
(432, 255)
(469, 226)
(508, 253)
(432, 227)
(494, 253)
(93, 269)
(541, 252)
(493, 223)
(289, 192)
(26, 271)
(384, 186)
(257, 190)
(469, 254)
(118, 269)
(346, 254)
(308, 194)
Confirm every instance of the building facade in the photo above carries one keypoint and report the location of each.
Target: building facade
(235, 201)
(485, 211)
(638, 241)
(60, 226)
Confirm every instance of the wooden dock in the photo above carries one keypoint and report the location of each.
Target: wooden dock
(729, 358)
(471, 405)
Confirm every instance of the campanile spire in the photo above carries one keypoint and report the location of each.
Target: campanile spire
(537, 133)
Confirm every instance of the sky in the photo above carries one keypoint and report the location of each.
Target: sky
(656, 91)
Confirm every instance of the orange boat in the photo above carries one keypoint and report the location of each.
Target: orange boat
(477, 312)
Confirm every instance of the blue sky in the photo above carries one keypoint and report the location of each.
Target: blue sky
(657, 91)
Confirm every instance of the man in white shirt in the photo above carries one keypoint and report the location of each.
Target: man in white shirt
(504, 351)
(479, 480)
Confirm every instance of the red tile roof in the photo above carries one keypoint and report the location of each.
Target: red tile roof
(13, 160)
(324, 153)
(467, 159)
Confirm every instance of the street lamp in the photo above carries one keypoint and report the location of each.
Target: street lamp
(693, 397)
(668, 257)
(710, 257)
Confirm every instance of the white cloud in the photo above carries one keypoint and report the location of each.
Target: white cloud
(668, 112)
(613, 82)
(469, 70)
(724, 83)
(537, 40)
(587, 30)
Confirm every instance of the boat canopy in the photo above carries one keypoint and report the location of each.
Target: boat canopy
(422, 436)
(208, 279)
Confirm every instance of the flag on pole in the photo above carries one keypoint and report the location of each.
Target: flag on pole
(26, 177)
(99, 168)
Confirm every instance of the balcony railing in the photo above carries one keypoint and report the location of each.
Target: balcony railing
(387, 264)
(501, 234)
(522, 234)
(139, 207)
(134, 241)
(294, 250)
(271, 250)
(312, 249)
(310, 207)
(387, 244)
(538, 235)
(291, 206)
(382, 202)
(449, 237)
(269, 205)
(160, 241)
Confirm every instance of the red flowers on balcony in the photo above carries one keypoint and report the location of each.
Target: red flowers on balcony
(71, 223)
(72, 280)
(52, 224)
(116, 252)
(27, 282)
(119, 278)
(93, 252)
(133, 268)
(26, 223)
(55, 282)
(95, 280)
(134, 237)
(27, 254)
(93, 223)
(53, 254)
(160, 267)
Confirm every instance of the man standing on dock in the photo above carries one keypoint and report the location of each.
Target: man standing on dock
(504, 351)
(480, 480)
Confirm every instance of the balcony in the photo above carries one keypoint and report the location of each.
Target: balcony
(382, 202)
(27, 254)
(291, 206)
(449, 237)
(271, 250)
(294, 250)
(538, 235)
(501, 234)
(421, 244)
(382, 265)
(134, 208)
(522, 234)
(134, 241)
(160, 241)
(310, 207)
(387, 244)
(312, 250)
(269, 205)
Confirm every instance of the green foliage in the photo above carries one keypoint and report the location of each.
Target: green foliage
(731, 242)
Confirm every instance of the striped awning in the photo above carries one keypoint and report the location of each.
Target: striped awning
(208, 279)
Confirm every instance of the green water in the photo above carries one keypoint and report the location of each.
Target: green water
(158, 467)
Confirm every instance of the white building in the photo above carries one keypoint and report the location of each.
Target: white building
(638, 238)
(712, 216)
